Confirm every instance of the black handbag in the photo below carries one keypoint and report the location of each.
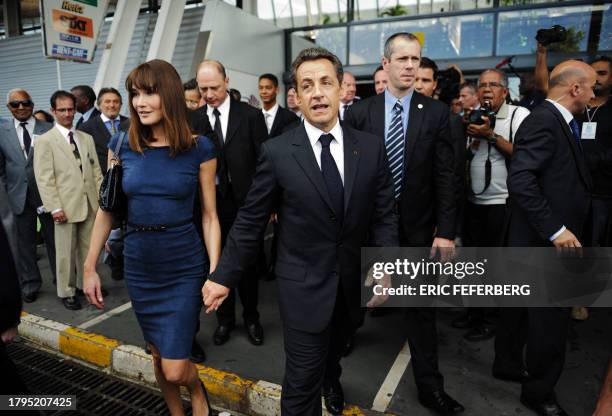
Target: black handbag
(112, 198)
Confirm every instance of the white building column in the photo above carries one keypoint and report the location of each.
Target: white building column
(166, 31)
(117, 45)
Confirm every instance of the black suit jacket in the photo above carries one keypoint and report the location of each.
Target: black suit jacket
(246, 130)
(94, 113)
(95, 128)
(315, 251)
(428, 200)
(282, 119)
(549, 184)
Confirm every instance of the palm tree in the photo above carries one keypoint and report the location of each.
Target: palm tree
(397, 10)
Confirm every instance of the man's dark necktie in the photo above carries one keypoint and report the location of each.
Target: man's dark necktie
(576, 132)
(27, 140)
(332, 177)
(75, 150)
(395, 148)
(221, 165)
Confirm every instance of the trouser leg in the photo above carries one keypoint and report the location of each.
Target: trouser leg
(26, 247)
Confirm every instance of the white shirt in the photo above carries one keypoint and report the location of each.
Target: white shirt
(343, 107)
(568, 117)
(29, 127)
(336, 147)
(224, 110)
(270, 115)
(497, 192)
(65, 132)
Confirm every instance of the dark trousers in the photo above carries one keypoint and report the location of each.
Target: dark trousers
(602, 222)
(312, 359)
(25, 223)
(10, 381)
(546, 338)
(248, 288)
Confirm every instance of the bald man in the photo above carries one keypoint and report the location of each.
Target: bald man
(550, 199)
(347, 94)
(239, 129)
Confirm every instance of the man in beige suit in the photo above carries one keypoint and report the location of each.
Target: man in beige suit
(68, 176)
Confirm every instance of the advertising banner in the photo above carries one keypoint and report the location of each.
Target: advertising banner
(71, 28)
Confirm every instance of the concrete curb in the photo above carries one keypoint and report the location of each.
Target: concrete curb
(227, 390)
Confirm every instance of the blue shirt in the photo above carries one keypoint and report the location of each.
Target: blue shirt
(390, 101)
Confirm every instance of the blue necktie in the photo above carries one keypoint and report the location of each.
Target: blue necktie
(111, 125)
(576, 131)
(395, 148)
(332, 177)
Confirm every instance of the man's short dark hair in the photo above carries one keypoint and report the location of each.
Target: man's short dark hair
(271, 77)
(429, 63)
(107, 90)
(400, 35)
(61, 94)
(87, 91)
(603, 58)
(314, 54)
(468, 84)
(378, 68)
(192, 84)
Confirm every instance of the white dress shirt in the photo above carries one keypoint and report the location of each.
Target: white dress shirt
(568, 117)
(29, 127)
(270, 115)
(224, 110)
(65, 132)
(336, 147)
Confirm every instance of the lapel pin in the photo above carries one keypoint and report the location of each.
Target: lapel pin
(420, 106)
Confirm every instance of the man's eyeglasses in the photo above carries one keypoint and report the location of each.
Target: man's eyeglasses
(64, 110)
(490, 85)
(25, 103)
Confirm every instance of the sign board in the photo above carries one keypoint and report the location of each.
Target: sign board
(71, 28)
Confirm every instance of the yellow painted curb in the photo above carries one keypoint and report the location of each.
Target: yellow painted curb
(89, 347)
(229, 390)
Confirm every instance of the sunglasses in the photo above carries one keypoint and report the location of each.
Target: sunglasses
(25, 103)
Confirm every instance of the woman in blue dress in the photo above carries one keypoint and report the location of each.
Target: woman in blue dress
(163, 168)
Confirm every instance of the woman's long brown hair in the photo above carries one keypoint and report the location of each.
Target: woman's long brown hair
(159, 77)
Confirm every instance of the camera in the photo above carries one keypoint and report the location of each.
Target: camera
(555, 34)
(485, 110)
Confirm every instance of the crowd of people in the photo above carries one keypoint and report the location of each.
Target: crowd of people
(205, 174)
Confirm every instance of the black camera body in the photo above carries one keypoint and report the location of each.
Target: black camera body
(485, 110)
(555, 34)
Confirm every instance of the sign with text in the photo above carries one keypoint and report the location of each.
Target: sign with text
(67, 23)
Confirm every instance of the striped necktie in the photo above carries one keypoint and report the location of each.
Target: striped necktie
(395, 148)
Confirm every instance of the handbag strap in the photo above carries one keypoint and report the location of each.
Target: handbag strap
(118, 146)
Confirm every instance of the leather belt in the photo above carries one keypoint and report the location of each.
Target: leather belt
(156, 227)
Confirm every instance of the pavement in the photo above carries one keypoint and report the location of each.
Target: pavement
(377, 376)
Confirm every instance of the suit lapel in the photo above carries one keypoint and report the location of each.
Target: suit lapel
(64, 146)
(233, 121)
(305, 157)
(276, 122)
(351, 161)
(578, 154)
(13, 139)
(102, 127)
(415, 120)
(378, 115)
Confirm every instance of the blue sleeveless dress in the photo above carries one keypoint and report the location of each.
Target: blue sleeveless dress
(164, 271)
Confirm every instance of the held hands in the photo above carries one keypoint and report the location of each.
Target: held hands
(92, 288)
(213, 295)
(9, 335)
(60, 217)
(443, 246)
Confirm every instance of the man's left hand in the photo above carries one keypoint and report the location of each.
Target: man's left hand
(481, 130)
(445, 247)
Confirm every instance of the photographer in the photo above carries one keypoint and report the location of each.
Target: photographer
(490, 130)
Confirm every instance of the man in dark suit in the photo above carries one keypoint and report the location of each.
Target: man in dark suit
(332, 189)
(420, 149)
(17, 139)
(85, 104)
(550, 202)
(276, 117)
(103, 126)
(238, 131)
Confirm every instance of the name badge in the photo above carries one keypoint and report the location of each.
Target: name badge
(588, 130)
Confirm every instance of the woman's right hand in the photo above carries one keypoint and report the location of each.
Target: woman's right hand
(93, 288)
